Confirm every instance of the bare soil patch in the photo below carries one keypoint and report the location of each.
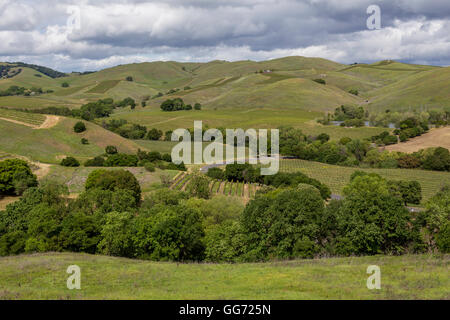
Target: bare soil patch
(434, 138)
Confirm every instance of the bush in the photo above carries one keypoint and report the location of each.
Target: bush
(65, 85)
(111, 150)
(354, 92)
(149, 167)
(79, 127)
(114, 180)
(122, 160)
(216, 173)
(70, 162)
(154, 134)
(320, 81)
(197, 106)
(84, 141)
(96, 162)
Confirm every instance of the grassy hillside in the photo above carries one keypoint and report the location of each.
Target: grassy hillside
(51, 145)
(429, 88)
(43, 276)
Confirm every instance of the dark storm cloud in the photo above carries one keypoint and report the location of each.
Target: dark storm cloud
(127, 31)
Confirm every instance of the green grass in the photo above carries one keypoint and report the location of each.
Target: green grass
(336, 177)
(43, 276)
(51, 145)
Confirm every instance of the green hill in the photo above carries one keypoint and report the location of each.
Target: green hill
(52, 144)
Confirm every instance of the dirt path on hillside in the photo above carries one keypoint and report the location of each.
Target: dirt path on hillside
(434, 138)
(49, 122)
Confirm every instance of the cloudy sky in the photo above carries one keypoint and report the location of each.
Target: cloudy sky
(90, 35)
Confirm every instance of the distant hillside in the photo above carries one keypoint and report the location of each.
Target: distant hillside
(278, 83)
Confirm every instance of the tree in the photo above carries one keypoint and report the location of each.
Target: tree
(84, 141)
(122, 160)
(79, 127)
(114, 180)
(129, 78)
(65, 85)
(117, 235)
(371, 220)
(199, 187)
(277, 224)
(96, 162)
(197, 106)
(15, 177)
(70, 162)
(177, 234)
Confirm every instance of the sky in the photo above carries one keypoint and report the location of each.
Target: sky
(87, 35)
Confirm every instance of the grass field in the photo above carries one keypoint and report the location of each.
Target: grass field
(43, 276)
(336, 177)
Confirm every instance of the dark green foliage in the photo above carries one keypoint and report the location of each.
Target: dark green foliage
(176, 104)
(320, 81)
(121, 160)
(439, 160)
(100, 109)
(96, 162)
(129, 78)
(84, 141)
(371, 220)
(70, 162)
(354, 92)
(111, 150)
(348, 112)
(282, 224)
(216, 173)
(114, 180)
(149, 167)
(410, 192)
(197, 106)
(65, 85)
(154, 134)
(15, 177)
(199, 187)
(225, 242)
(241, 172)
(79, 127)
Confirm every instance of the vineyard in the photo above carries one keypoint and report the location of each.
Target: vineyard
(336, 177)
(218, 187)
(31, 119)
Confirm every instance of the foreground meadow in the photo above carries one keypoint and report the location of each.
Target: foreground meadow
(43, 276)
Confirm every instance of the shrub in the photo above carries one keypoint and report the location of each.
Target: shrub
(149, 167)
(111, 150)
(216, 173)
(320, 81)
(354, 92)
(84, 141)
(129, 78)
(197, 106)
(96, 162)
(70, 162)
(154, 134)
(79, 127)
(122, 160)
(65, 85)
